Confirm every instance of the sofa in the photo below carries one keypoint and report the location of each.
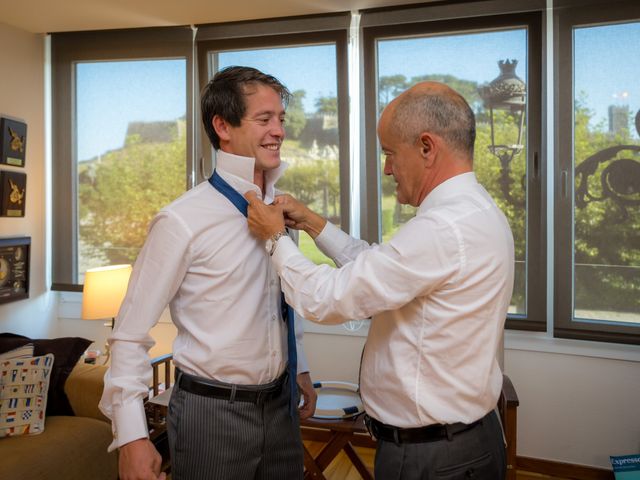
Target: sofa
(71, 446)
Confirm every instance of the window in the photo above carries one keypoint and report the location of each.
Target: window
(469, 55)
(313, 67)
(121, 142)
(598, 176)
(595, 128)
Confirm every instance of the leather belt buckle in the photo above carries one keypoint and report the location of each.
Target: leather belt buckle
(429, 433)
(231, 392)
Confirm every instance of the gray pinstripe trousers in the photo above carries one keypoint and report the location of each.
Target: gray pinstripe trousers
(211, 438)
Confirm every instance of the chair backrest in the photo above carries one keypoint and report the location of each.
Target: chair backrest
(508, 409)
(162, 370)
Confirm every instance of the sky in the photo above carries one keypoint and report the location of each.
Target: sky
(111, 94)
(607, 69)
(310, 68)
(471, 57)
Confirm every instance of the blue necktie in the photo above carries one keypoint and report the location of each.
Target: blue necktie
(287, 312)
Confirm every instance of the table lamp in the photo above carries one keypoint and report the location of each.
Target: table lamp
(103, 292)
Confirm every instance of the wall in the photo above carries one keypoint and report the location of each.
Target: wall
(575, 409)
(22, 97)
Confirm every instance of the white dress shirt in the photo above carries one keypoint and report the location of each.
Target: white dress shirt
(223, 294)
(438, 293)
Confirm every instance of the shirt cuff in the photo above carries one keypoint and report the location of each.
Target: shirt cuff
(332, 240)
(303, 365)
(129, 424)
(285, 249)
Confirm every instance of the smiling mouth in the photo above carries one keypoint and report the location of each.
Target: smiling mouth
(274, 147)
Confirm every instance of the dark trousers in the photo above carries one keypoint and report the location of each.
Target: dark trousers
(477, 453)
(212, 438)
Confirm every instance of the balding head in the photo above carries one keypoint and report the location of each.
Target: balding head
(433, 107)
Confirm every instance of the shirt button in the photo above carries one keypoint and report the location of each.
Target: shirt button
(273, 317)
(273, 354)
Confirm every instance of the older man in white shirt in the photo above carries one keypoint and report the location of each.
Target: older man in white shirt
(437, 292)
(230, 414)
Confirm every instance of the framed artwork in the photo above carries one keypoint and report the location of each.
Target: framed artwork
(15, 254)
(13, 140)
(13, 193)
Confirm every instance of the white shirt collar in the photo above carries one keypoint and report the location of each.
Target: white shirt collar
(237, 171)
(453, 185)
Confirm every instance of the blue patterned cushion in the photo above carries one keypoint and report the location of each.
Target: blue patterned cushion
(24, 383)
(67, 351)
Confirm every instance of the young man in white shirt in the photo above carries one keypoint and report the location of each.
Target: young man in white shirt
(437, 292)
(230, 414)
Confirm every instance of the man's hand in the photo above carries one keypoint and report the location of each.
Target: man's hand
(309, 395)
(264, 220)
(139, 460)
(298, 216)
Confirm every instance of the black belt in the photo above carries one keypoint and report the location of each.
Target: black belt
(206, 388)
(430, 433)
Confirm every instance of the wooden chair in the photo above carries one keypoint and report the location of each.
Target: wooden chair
(161, 367)
(337, 435)
(508, 409)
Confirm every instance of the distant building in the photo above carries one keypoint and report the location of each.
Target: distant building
(618, 118)
(321, 129)
(154, 132)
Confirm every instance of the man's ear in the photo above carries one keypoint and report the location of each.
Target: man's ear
(221, 127)
(427, 145)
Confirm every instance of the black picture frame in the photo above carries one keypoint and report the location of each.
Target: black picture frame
(15, 257)
(13, 142)
(13, 193)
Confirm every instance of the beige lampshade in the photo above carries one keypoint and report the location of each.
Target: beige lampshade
(104, 290)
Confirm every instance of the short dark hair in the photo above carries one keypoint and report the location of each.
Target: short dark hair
(445, 113)
(225, 93)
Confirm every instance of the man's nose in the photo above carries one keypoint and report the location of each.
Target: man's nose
(277, 129)
(387, 167)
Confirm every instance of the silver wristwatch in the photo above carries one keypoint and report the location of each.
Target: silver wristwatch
(270, 245)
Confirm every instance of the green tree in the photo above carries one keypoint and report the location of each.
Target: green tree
(313, 178)
(389, 87)
(296, 118)
(301, 180)
(120, 194)
(467, 88)
(327, 105)
(606, 250)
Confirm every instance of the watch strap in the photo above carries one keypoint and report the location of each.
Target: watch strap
(273, 240)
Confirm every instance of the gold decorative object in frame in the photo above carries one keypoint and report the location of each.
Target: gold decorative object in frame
(13, 142)
(13, 193)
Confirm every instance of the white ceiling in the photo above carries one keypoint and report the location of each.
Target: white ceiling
(41, 16)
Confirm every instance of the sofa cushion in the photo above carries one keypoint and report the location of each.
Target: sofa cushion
(84, 390)
(25, 351)
(70, 448)
(24, 383)
(67, 352)
(9, 341)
